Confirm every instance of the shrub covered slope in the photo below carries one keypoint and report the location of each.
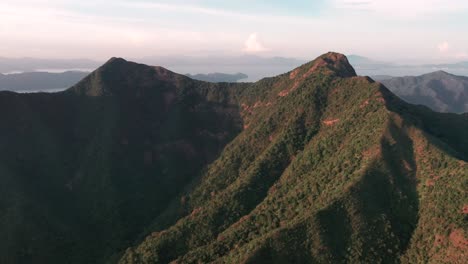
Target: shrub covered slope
(137, 164)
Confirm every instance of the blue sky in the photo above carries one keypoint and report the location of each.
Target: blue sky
(408, 31)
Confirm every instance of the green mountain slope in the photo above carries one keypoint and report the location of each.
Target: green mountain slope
(84, 171)
(136, 164)
(330, 168)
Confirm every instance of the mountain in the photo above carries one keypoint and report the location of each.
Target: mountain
(329, 168)
(137, 164)
(440, 91)
(218, 77)
(84, 171)
(40, 81)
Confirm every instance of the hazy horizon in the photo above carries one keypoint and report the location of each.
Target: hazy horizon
(418, 31)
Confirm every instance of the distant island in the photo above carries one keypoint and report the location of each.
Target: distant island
(218, 77)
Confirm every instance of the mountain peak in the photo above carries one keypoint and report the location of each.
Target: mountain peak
(332, 62)
(338, 63)
(114, 77)
(440, 73)
(334, 56)
(114, 61)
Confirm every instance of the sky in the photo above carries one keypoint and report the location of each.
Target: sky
(405, 31)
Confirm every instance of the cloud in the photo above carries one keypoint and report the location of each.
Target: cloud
(254, 45)
(443, 47)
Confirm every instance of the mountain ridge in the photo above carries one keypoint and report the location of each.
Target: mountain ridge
(152, 249)
(314, 165)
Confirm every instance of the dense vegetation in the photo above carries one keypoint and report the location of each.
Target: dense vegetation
(83, 172)
(136, 164)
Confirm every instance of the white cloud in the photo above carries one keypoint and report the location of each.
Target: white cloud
(254, 45)
(443, 47)
(404, 8)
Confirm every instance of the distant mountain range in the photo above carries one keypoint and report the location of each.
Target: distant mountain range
(441, 91)
(369, 67)
(254, 66)
(218, 77)
(138, 164)
(40, 81)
